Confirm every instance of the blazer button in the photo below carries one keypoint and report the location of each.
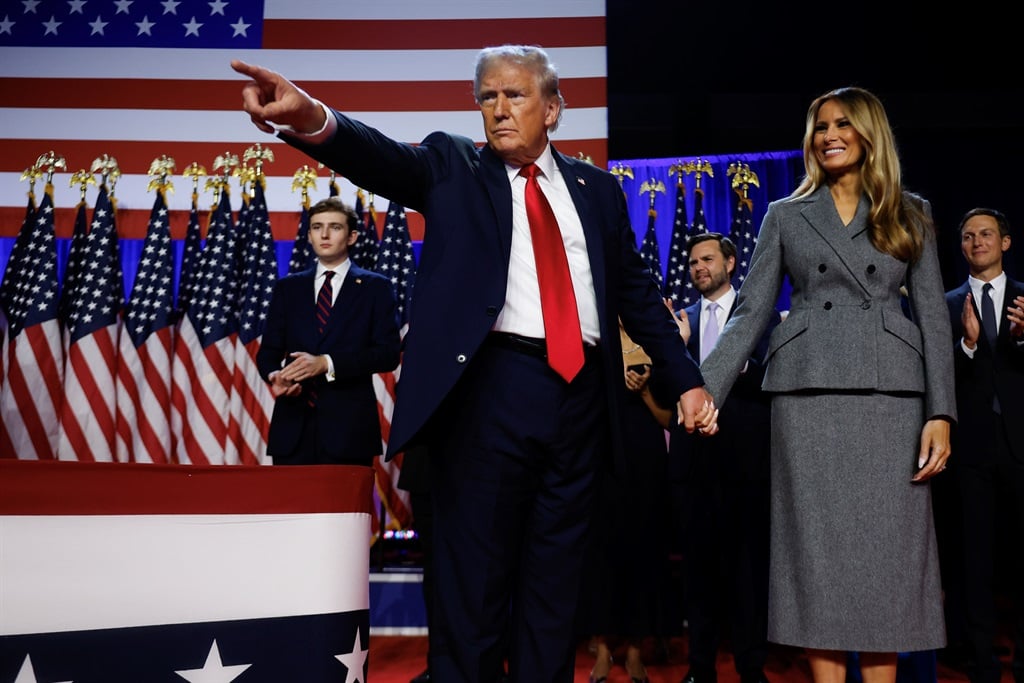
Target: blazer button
(822, 267)
(461, 358)
(828, 305)
(866, 304)
(492, 311)
(871, 269)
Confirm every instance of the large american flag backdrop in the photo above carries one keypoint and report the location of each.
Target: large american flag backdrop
(139, 79)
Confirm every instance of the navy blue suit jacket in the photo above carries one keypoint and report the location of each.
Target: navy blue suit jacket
(998, 371)
(361, 338)
(465, 197)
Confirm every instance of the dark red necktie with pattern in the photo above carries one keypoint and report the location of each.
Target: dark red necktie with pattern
(324, 302)
(557, 298)
(323, 314)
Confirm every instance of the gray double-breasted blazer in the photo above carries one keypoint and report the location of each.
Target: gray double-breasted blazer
(847, 328)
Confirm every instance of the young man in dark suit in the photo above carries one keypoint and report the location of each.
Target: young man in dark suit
(329, 330)
(721, 487)
(987, 316)
(513, 399)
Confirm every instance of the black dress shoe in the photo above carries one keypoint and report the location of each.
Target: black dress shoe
(424, 677)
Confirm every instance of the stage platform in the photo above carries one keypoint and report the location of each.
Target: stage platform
(396, 602)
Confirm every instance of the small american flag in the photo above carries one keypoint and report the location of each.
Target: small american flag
(397, 261)
(251, 401)
(204, 352)
(678, 276)
(743, 236)
(699, 226)
(190, 260)
(302, 257)
(396, 258)
(649, 248)
(74, 263)
(364, 253)
(33, 358)
(144, 369)
(88, 415)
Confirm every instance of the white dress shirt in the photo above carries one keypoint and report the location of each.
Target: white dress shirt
(522, 313)
(998, 294)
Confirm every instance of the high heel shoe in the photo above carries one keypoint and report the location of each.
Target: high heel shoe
(643, 679)
(601, 679)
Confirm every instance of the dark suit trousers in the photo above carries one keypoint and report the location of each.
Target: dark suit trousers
(989, 490)
(513, 456)
(308, 450)
(725, 564)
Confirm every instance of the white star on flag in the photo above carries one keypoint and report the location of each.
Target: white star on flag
(27, 674)
(354, 661)
(213, 670)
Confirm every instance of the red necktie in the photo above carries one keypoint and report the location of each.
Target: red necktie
(324, 302)
(557, 298)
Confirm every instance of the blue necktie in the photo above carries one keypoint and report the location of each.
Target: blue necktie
(710, 331)
(988, 325)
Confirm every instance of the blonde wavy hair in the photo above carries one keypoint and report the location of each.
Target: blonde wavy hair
(897, 221)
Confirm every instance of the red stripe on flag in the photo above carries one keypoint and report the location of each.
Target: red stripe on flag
(353, 96)
(249, 428)
(32, 391)
(143, 401)
(431, 34)
(87, 414)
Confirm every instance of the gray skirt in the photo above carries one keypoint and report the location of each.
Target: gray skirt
(854, 564)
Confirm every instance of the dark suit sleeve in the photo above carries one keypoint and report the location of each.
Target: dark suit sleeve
(380, 350)
(272, 349)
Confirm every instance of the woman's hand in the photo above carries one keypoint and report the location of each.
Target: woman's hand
(935, 449)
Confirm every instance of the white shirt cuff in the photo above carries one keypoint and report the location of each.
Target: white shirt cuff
(325, 133)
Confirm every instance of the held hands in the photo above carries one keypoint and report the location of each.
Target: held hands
(697, 411)
(935, 449)
(273, 102)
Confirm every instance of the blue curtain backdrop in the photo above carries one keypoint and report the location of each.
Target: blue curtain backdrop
(777, 172)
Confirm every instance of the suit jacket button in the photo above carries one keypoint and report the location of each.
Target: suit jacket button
(461, 358)
(866, 304)
(871, 269)
(492, 311)
(822, 267)
(828, 305)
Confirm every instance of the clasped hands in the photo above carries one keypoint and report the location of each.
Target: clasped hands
(697, 411)
(303, 366)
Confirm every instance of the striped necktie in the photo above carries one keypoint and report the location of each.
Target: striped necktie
(324, 302)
